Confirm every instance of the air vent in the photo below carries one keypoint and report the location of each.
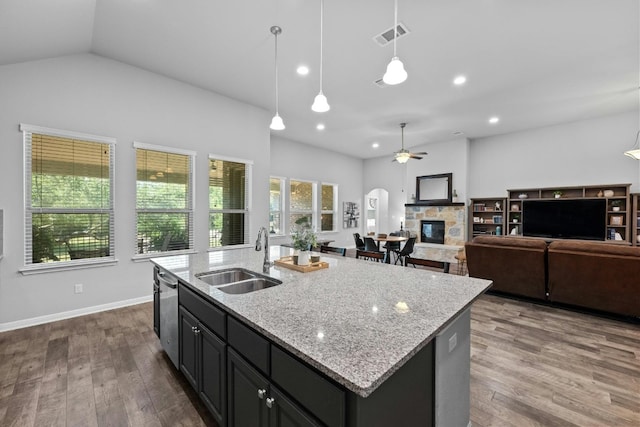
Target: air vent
(386, 36)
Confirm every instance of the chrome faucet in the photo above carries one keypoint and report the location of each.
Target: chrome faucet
(266, 264)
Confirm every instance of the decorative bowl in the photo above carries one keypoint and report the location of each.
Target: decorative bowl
(608, 193)
(522, 196)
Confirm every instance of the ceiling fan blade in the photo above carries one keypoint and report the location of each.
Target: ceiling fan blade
(422, 153)
(413, 156)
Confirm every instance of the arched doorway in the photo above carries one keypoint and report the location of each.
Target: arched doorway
(376, 211)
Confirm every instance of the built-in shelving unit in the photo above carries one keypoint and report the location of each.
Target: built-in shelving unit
(619, 207)
(486, 216)
(635, 219)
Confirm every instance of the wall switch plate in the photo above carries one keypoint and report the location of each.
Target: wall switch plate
(453, 341)
(78, 288)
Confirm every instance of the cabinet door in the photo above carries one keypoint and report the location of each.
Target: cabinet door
(284, 413)
(212, 373)
(247, 392)
(188, 346)
(156, 309)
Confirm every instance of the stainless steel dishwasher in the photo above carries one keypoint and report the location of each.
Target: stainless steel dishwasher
(169, 316)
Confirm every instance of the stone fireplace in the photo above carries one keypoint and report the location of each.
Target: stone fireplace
(453, 216)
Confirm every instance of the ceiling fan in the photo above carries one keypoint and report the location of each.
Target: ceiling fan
(403, 155)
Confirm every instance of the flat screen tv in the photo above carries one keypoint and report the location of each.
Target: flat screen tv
(565, 219)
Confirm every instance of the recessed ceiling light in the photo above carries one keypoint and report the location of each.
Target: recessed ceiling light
(460, 80)
(320, 126)
(375, 145)
(494, 120)
(303, 70)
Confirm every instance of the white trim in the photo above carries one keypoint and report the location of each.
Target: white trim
(66, 134)
(163, 149)
(231, 247)
(51, 267)
(230, 159)
(149, 255)
(9, 326)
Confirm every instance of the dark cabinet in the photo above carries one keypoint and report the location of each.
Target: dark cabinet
(203, 363)
(255, 402)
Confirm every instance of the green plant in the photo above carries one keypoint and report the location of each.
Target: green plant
(616, 203)
(302, 235)
(557, 193)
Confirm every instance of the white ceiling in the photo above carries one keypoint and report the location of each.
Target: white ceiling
(531, 62)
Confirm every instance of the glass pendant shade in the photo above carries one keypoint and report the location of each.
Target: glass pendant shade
(396, 73)
(277, 123)
(320, 104)
(403, 157)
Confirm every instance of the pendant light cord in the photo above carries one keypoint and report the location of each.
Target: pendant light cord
(321, 38)
(395, 26)
(276, 67)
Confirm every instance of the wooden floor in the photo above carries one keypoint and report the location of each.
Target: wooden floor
(531, 366)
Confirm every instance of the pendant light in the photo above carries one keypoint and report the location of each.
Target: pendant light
(634, 153)
(320, 104)
(276, 122)
(396, 73)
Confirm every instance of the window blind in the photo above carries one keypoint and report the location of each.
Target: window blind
(69, 196)
(228, 202)
(164, 200)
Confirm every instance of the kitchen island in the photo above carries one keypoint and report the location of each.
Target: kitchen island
(355, 344)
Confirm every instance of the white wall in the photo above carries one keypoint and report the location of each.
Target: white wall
(295, 160)
(588, 152)
(400, 180)
(90, 94)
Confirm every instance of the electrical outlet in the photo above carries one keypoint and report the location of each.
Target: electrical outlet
(78, 288)
(453, 341)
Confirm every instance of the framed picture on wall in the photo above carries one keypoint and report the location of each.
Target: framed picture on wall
(350, 214)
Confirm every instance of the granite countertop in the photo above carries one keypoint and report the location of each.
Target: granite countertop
(356, 321)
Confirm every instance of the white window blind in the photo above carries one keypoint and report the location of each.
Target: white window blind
(69, 216)
(276, 205)
(301, 202)
(229, 196)
(328, 209)
(164, 199)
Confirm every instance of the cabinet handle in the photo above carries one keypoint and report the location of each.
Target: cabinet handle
(262, 393)
(197, 331)
(270, 402)
(194, 329)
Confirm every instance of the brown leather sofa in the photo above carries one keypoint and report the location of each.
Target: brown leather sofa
(595, 275)
(517, 265)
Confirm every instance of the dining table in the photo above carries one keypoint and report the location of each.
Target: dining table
(389, 239)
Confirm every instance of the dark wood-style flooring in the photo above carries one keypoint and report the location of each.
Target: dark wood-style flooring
(531, 366)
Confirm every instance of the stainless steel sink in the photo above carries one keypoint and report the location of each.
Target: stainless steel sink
(249, 285)
(225, 277)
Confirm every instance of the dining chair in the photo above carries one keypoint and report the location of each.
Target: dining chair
(409, 260)
(332, 249)
(370, 244)
(392, 246)
(359, 241)
(406, 250)
(372, 256)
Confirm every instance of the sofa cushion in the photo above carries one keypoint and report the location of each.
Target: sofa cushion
(520, 242)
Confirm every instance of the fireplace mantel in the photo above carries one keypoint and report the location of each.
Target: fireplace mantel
(453, 214)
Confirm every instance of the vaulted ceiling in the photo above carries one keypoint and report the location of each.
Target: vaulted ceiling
(530, 63)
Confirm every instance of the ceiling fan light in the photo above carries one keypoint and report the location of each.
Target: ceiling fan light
(634, 154)
(277, 123)
(396, 73)
(403, 157)
(320, 104)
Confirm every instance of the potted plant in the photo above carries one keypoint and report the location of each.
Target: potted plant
(557, 194)
(616, 205)
(303, 239)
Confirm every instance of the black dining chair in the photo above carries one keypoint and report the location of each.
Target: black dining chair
(359, 241)
(372, 256)
(406, 250)
(332, 249)
(392, 246)
(370, 244)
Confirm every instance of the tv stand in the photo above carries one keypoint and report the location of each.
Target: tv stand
(618, 217)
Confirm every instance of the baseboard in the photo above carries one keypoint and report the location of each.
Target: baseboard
(25, 323)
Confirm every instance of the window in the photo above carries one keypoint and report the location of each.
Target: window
(68, 197)
(164, 199)
(301, 205)
(276, 205)
(328, 213)
(229, 196)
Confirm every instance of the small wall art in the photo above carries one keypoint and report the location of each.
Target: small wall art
(351, 214)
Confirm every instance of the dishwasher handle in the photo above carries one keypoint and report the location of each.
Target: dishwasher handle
(169, 282)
